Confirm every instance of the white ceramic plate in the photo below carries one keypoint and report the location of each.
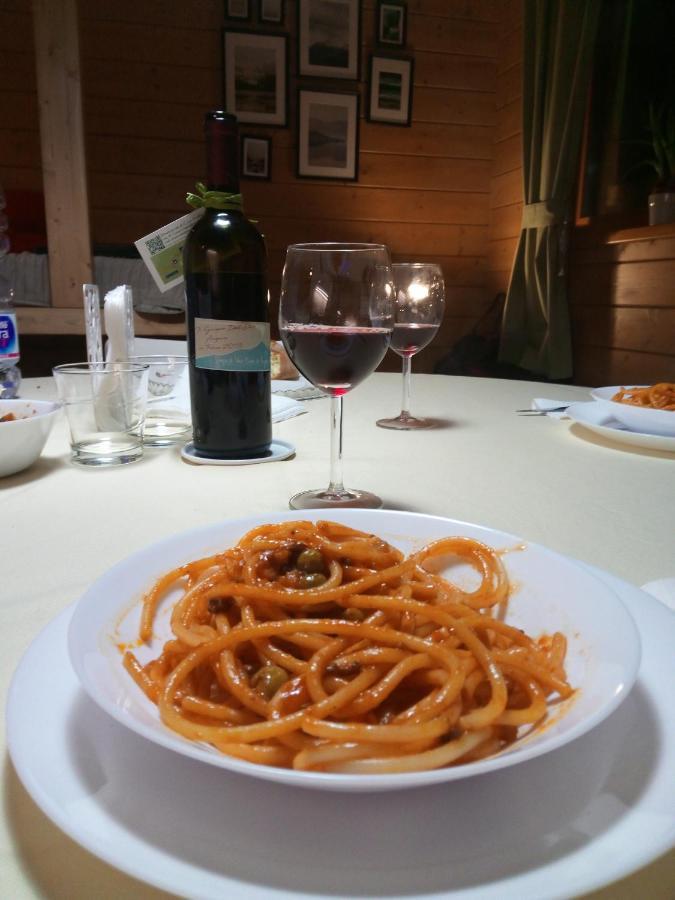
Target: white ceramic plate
(564, 824)
(597, 418)
(638, 418)
(553, 594)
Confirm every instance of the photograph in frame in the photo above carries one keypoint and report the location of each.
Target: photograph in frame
(390, 23)
(272, 11)
(255, 157)
(255, 75)
(237, 9)
(328, 135)
(390, 89)
(328, 38)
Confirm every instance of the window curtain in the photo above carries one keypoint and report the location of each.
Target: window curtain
(558, 43)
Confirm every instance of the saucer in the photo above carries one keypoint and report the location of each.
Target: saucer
(278, 450)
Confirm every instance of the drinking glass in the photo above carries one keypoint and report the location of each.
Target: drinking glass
(105, 408)
(167, 415)
(335, 319)
(419, 301)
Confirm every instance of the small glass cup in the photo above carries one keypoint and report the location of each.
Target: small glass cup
(105, 407)
(167, 415)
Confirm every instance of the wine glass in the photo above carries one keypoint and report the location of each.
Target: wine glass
(419, 301)
(335, 319)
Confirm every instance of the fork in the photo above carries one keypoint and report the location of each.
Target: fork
(542, 412)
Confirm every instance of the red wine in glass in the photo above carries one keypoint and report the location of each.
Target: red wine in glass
(408, 338)
(418, 304)
(335, 359)
(335, 318)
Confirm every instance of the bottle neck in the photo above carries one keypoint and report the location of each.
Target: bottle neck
(222, 156)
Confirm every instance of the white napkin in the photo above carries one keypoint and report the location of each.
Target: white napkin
(549, 406)
(118, 317)
(285, 408)
(282, 407)
(298, 388)
(663, 589)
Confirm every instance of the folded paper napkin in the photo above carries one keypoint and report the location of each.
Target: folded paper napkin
(285, 408)
(663, 589)
(282, 407)
(551, 407)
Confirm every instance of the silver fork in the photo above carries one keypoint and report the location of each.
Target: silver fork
(542, 412)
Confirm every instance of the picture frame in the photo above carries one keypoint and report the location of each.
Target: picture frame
(272, 11)
(328, 135)
(238, 9)
(391, 22)
(390, 89)
(255, 155)
(255, 75)
(329, 36)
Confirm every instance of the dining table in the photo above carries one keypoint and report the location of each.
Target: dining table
(547, 479)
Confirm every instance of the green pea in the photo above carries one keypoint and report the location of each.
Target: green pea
(313, 579)
(269, 679)
(311, 561)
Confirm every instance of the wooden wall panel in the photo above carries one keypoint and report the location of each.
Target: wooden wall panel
(20, 159)
(506, 188)
(623, 308)
(151, 70)
(423, 190)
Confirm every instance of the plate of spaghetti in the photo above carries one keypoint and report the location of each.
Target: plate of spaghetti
(647, 409)
(372, 651)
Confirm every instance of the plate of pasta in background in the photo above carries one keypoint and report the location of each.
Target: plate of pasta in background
(372, 651)
(644, 409)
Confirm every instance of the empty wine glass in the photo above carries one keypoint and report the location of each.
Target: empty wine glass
(335, 319)
(419, 301)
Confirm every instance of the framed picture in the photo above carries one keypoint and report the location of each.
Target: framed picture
(328, 38)
(272, 11)
(237, 9)
(390, 23)
(255, 157)
(256, 80)
(328, 135)
(390, 89)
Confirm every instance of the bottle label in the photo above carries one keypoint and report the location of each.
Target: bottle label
(232, 346)
(9, 337)
(162, 250)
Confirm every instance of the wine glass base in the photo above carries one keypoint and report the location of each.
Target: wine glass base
(405, 422)
(327, 499)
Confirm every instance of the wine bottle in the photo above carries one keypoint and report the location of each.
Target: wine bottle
(228, 331)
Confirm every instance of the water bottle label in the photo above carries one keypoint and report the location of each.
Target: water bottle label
(230, 346)
(9, 337)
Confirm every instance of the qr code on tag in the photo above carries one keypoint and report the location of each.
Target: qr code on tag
(154, 245)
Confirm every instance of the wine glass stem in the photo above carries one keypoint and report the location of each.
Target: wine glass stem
(336, 485)
(405, 401)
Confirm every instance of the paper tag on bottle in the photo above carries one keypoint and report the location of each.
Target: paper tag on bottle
(230, 346)
(162, 250)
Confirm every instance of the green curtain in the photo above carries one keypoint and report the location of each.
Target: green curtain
(558, 42)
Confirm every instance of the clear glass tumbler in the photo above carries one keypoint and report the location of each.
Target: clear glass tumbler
(105, 407)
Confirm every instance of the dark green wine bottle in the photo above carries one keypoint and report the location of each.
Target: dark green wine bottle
(227, 312)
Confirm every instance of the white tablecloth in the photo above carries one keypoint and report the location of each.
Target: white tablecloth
(533, 476)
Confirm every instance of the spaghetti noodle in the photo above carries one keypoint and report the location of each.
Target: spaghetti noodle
(657, 396)
(319, 647)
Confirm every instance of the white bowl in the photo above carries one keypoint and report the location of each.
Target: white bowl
(553, 593)
(22, 439)
(637, 418)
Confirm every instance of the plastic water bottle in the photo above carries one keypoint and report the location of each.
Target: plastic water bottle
(10, 375)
